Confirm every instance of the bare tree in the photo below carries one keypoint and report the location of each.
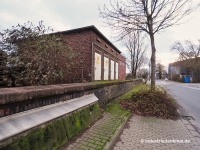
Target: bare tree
(143, 73)
(150, 16)
(189, 55)
(159, 69)
(136, 51)
(188, 50)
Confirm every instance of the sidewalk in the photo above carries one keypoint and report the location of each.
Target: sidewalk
(144, 133)
(113, 131)
(137, 134)
(100, 134)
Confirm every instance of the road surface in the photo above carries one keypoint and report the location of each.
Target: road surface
(187, 96)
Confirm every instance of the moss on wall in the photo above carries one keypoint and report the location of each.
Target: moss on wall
(57, 132)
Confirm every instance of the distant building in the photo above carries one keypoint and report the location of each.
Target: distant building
(182, 68)
(99, 59)
(176, 70)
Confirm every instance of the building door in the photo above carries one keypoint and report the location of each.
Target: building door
(106, 68)
(117, 71)
(97, 67)
(112, 73)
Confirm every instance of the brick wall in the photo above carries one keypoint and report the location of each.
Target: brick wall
(19, 99)
(86, 42)
(122, 68)
(108, 50)
(81, 43)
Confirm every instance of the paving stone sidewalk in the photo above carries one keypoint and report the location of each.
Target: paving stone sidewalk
(96, 137)
(140, 131)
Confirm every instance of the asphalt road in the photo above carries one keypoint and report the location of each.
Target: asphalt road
(187, 96)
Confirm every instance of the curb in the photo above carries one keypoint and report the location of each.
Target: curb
(192, 129)
(190, 124)
(110, 144)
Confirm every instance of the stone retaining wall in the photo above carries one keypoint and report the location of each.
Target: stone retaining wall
(70, 124)
(19, 99)
(55, 133)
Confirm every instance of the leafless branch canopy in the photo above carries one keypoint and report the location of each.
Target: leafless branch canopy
(140, 14)
(189, 55)
(134, 43)
(188, 50)
(150, 16)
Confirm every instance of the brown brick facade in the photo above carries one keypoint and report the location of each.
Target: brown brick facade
(81, 43)
(86, 41)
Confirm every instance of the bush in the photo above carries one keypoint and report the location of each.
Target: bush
(176, 78)
(43, 58)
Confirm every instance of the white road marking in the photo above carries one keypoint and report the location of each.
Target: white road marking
(189, 87)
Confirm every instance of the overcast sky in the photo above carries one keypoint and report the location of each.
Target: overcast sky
(69, 14)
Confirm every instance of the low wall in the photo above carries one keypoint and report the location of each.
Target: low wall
(55, 133)
(19, 99)
(61, 129)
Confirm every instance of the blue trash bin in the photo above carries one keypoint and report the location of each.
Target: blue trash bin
(186, 79)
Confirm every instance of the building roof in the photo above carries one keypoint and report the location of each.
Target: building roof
(177, 63)
(180, 63)
(94, 29)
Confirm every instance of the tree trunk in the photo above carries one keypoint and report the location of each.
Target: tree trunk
(134, 75)
(160, 75)
(153, 51)
(153, 62)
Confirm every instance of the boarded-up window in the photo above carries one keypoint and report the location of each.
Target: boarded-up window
(106, 68)
(97, 67)
(117, 71)
(112, 73)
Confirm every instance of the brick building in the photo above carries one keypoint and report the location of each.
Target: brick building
(189, 67)
(98, 58)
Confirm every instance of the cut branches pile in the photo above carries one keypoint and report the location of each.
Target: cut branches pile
(147, 103)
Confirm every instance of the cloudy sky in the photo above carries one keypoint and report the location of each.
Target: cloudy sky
(69, 14)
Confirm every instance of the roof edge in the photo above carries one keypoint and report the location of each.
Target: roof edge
(93, 28)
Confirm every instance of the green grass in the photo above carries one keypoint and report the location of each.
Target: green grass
(115, 108)
(136, 89)
(113, 81)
